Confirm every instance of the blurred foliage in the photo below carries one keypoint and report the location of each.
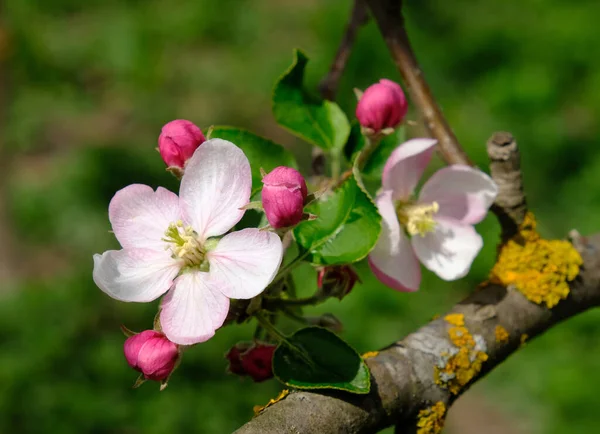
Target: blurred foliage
(88, 86)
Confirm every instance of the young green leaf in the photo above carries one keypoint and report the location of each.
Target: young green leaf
(319, 122)
(315, 358)
(346, 228)
(374, 167)
(261, 152)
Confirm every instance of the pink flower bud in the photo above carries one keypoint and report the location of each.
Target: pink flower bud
(177, 142)
(258, 362)
(234, 356)
(253, 360)
(152, 354)
(382, 105)
(337, 280)
(283, 196)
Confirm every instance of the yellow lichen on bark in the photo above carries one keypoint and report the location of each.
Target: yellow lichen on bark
(431, 420)
(260, 408)
(540, 269)
(369, 354)
(501, 334)
(457, 367)
(456, 319)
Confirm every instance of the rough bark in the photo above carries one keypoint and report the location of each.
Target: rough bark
(402, 374)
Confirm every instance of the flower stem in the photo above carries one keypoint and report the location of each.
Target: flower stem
(291, 314)
(270, 328)
(307, 301)
(371, 144)
(335, 164)
(289, 267)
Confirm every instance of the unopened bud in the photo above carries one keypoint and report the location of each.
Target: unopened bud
(177, 142)
(327, 320)
(234, 357)
(283, 195)
(152, 354)
(252, 360)
(381, 106)
(336, 280)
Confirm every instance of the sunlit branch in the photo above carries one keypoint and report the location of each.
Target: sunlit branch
(388, 15)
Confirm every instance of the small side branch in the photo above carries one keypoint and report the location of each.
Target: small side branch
(388, 15)
(329, 83)
(505, 167)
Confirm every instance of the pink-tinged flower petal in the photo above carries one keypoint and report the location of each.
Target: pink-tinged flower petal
(449, 250)
(245, 262)
(392, 260)
(405, 166)
(139, 275)
(140, 216)
(193, 310)
(216, 184)
(462, 192)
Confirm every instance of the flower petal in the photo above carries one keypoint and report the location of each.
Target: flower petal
(245, 262)
(393, 260)
(193, 310)
(215, 185)
(139, 275)
(140, 216)
(405, 166)
(462, 192)
(450, 250)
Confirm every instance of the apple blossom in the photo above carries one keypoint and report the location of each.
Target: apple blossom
(439, 222)
(179, 246)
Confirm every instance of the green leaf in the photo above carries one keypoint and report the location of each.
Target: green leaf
(315, 358)
(319, 122)
(261, 152)
(374, 167)
(346, 228)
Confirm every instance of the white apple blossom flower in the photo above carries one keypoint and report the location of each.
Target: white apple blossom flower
(435, 228)
(173, 245)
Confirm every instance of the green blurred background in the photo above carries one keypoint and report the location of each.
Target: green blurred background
(85, 88)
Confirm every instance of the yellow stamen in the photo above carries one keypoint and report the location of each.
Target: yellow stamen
(184, 244)
(417, 218)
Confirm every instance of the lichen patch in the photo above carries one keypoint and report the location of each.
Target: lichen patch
(369, 354)
(258, 409)
(501, 334)
(464, 360)
(431, 420)
(540, 269)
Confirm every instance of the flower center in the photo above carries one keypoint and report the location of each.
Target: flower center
(417, 218)
(184, 244)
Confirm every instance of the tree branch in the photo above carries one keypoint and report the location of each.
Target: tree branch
(403, 374)
(505, 167)
(329, 83)
(406, 375)
(388, 15)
